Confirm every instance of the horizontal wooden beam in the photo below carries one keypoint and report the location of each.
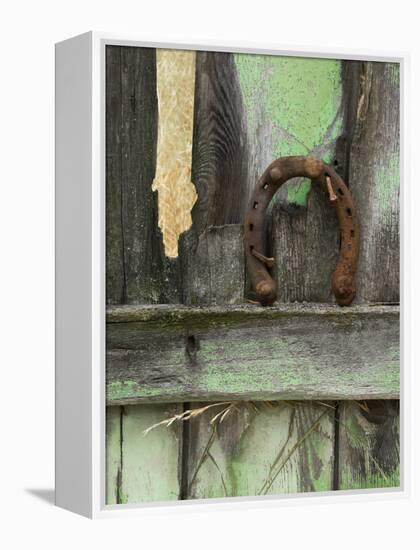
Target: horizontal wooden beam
(176, 353)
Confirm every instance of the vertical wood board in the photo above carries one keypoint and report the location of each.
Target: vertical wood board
(374, 177)
(150, 463)
(369, 450)
(369, 440)
(219, 173)
(213, 266)
(137, 270)
(219, 166)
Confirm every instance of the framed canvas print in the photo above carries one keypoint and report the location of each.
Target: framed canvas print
(228, 273)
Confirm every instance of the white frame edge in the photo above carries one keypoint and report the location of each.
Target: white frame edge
(73, 253)
(80, 277)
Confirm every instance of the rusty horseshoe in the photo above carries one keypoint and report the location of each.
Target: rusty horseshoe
(277, 173)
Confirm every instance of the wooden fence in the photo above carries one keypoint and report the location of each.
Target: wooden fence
(307, 392)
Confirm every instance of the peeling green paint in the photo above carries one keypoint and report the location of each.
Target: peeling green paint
(298, 193)
(240, 363)
(300, 98)
(129, 389)
(150, 463)
(121, 389)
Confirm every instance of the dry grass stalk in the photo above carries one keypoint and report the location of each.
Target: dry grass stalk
(257, 407)
(186, 415)
(229, 406)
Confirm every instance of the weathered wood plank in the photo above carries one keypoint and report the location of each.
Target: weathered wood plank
(219, 173)
(115, 278)
(374, 181)
(369, 450)
(305, 245)
(137, 270)
(150, 463)
(219, 150)
(169, 353)
(268, 449)
(206, 260)
(369, 439)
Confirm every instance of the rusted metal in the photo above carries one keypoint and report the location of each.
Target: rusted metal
(277, 173)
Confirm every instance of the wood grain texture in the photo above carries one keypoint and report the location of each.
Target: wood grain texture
(374, 180)
(261, 450)
(137, 270)
(305, 245)
(219, 169)
(251, 353)
(293, 106)
(369, 450)
(219, 173)
(116, 292)
(212, 266)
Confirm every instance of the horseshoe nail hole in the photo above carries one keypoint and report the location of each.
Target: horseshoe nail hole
(351, 232)
(265, 186)
(251, 247)
(348, 210)
(251, 226)
(335, 163)
(340, 191)
(255, 205)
